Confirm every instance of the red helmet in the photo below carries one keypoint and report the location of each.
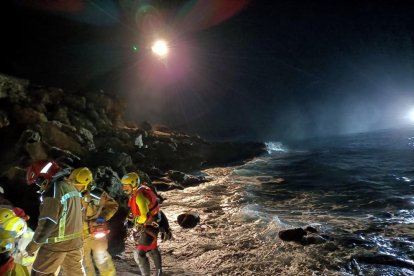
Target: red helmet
(41, 170)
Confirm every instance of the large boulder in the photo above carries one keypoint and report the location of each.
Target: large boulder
(13, 88)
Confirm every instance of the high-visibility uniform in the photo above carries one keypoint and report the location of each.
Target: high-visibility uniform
(59, 231)
(145, 210)
(93, 208)
(19, 252)
(10, 268)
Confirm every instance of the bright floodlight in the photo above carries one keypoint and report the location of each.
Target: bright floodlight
(411, 115)
(160, 48)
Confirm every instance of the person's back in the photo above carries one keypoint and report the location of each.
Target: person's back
(97, 208)
(62, 203)
(59, 230)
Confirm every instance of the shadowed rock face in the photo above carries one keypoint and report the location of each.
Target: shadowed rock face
(88, 129)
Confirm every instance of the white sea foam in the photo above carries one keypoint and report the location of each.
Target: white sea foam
(275, 146)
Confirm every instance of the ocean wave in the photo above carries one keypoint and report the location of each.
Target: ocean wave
(275, 147)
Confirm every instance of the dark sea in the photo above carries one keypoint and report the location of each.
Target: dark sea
(357, 190)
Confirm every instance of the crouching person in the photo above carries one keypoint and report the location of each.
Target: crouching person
(58, 235)
(8, 267)
(98, 207)
(22, 235)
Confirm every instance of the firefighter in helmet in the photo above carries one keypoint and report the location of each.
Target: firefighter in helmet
(58, 235)
(23, 235)
(146, 214)
(7, 265)
(98, 207)
(5, 215)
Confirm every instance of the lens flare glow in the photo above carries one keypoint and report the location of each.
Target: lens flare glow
(160, 48)
(411, 115)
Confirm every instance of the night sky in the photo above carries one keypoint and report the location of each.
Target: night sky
(262, 70)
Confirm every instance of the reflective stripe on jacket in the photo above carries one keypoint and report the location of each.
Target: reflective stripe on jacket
(60, 222)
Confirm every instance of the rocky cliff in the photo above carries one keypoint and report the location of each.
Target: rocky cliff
(88, 129)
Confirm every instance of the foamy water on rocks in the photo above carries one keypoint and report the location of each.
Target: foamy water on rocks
(230, 240)
(356, 191)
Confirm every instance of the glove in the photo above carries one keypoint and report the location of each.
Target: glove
(31, 248)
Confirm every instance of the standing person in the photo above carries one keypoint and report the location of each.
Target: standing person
(7, 265)
(58, 235)
(97, 209)
(146, 214)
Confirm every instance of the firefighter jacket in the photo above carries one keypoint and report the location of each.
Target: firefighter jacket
(60, 225)
(144, 204)
(94, 206)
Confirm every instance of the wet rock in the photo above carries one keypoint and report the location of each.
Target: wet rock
(355, 267)
(385, 260)
(188, 220)
(370, 229)
(185, 179)
(312, 239)
(330, 246)
(295, 234)
(164, 184)
(310, 229)
(352, 241)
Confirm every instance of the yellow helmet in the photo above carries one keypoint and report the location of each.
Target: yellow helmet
(131, 179)
(6, 241)
(81, 177)
(17, 226)
(6, 214)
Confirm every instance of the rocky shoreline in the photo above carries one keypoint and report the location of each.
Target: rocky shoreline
(227, 241)
(78, 128)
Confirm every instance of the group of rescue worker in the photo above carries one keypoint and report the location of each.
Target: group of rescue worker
(71, 233)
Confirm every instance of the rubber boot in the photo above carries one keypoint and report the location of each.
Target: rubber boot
(156, 257)
(143, 262)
